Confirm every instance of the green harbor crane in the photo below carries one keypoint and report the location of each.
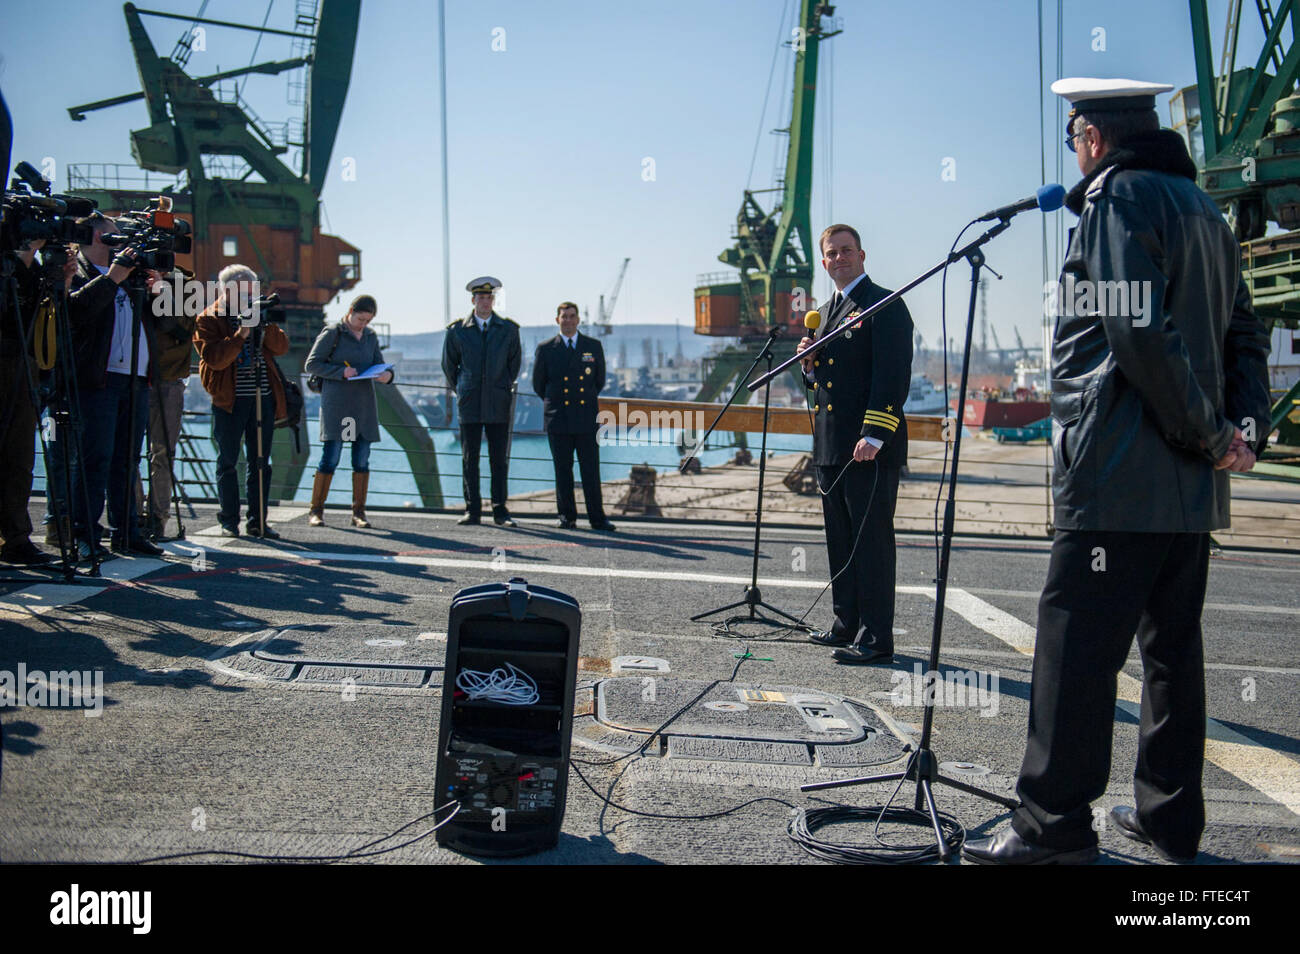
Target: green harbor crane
(1248, 151)
(774, 250)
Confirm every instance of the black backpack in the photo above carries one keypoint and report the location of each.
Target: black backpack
(293, 405)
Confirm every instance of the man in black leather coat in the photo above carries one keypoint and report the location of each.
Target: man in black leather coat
(481, 357)
(1158, 392)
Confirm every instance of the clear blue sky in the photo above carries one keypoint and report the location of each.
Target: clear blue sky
(547, 138)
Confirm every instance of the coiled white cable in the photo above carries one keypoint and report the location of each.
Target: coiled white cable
(513, 688)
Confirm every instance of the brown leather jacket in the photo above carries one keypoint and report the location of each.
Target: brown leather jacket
(218, 348)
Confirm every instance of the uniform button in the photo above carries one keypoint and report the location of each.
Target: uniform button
(830, 384)
(830, 360)
(814, 385)
(566, 390)
(566, 403)
(566, 377)
(817, 364)
(828, 407)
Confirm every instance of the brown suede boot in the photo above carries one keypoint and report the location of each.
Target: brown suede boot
(320, 489)
(360, 484)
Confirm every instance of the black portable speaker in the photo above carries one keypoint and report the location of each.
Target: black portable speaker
(507, 717)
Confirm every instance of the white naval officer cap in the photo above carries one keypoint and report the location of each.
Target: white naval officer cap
(485, 283)
(1087, 93)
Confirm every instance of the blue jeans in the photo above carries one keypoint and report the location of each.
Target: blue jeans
(331, 451)
(110, 449)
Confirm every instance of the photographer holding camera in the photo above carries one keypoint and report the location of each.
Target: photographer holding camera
(235, 368)
(112, 345)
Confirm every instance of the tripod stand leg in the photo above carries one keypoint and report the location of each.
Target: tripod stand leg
(1002, 800)
(923, 789)
(772, 609)
(721, 609)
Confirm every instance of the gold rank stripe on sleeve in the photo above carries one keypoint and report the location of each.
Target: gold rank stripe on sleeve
(881, 419)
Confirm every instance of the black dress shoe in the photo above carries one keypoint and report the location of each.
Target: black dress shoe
(828, 638)
(229, 531)
(504, 521)
(862, 656)
(470, 520)
(564, 523)
(84, 554)
(137, 545)
(1125, 818)
(266, 531)
(25, 553)
(1008, 848)
(604, 526)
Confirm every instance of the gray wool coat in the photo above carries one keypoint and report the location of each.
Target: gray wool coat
(340, 398)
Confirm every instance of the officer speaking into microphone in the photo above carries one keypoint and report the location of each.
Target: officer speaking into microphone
(859, 383)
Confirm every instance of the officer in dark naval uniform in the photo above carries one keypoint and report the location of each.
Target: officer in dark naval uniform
(481, 357)
(859, 383)
(568, 374)
(1158, 391)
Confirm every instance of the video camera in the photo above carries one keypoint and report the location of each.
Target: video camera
(154, 235)
(31, 213)
(266, 308)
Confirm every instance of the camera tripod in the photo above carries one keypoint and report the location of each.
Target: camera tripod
(137, 288)
(48, 343)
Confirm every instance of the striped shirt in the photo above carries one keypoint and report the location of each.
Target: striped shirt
(246, 367)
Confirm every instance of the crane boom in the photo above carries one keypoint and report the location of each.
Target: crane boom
(604, 315)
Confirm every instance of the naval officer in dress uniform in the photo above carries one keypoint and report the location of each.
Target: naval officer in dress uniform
(481, 357)
(568, 374)
(1152, 406)
(859, 383)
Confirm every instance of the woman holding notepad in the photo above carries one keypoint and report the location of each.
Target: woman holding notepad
(348, 412)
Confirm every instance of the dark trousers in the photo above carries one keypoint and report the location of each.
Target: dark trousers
(860, 509)
(165, 410)
(1153, 584)
(563, 447)
(110, 451)
(229, 430)
(471, 442)
(17, 450)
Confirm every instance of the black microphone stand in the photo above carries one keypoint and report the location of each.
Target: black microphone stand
(923, 765)
(753, 598)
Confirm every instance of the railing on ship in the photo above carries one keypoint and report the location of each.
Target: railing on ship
(1004, 489)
